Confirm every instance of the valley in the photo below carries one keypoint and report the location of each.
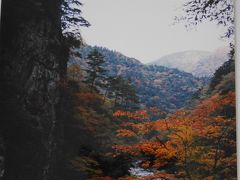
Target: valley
(163, 87)
(143, 137)
(77, 105)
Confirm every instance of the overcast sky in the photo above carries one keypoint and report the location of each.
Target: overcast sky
(144, 29)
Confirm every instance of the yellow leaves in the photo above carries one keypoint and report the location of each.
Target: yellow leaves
(212, 131)
(184, 132)
(165, 153)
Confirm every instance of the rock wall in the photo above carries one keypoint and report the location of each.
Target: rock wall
(32, 66)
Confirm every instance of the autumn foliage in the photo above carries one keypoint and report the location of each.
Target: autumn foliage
(197, 143)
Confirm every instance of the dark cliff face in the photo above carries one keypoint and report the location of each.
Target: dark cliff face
(32, 66)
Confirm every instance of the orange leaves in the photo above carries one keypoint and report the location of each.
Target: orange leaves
(229, 99)
(163, 153)
(129, 149)
(207, 106)
(138, 115)
(213, 103)
(127, 178)
(146, 164)
(149, 147)
(141, 114)
(161, 125)
(125, 133)
(200, 136)
(212, 131)
(134, 129)
(119, 113)
(139, 128)
(162, 176)
(175, 121)
(145, 147)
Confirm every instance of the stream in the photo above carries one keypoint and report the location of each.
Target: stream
(137, 171)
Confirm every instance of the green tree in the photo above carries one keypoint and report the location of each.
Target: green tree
(123, 92)
(129, 98)
(72, 21)
(95, 71)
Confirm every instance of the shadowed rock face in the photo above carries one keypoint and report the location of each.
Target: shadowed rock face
(32, 64)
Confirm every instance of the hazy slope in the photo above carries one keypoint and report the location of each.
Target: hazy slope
(198, 63)
(159, 86)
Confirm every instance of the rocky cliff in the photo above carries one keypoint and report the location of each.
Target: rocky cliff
(32, 64)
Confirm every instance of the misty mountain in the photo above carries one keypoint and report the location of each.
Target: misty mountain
(198, 63)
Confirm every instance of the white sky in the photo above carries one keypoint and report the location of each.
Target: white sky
(144, 29)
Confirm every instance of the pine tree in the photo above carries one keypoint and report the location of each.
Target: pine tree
(72, 21)
(129, 92)
(95, 71)
(124, 92)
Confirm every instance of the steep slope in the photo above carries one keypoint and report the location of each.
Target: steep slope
(158, 86)
(199, 63)
(33, 61)
(222, 82)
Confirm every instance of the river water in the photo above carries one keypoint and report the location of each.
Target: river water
(137, 171)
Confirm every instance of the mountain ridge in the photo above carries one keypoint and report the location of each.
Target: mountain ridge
(197, 62)
(166, 88)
